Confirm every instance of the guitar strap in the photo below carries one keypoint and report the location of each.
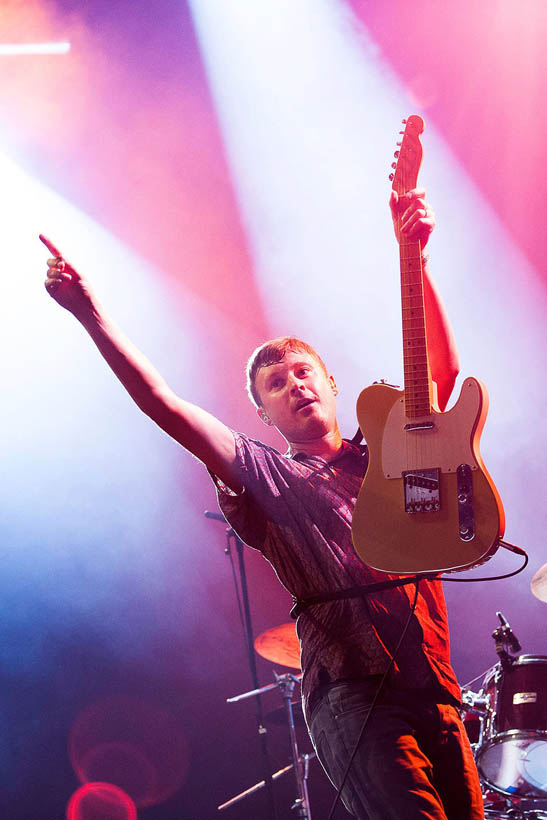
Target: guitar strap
(356, 592)
(357, 438)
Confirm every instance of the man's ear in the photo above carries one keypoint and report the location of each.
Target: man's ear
(333, 385)
(264, 417)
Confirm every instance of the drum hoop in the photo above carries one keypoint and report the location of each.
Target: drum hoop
(496, 674)
(511, 734)
(525, 659)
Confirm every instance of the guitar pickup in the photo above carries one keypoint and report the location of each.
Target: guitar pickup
(422, 490)
(466, 513)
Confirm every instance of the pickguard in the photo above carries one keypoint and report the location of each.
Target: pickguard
(445, 445)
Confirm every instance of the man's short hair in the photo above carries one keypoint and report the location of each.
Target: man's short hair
(272, 352)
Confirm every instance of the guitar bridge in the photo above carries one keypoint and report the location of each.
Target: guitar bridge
(422, 490)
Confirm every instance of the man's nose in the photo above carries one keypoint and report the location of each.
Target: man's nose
(296, 386)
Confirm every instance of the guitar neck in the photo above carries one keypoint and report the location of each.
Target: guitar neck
(417, 375)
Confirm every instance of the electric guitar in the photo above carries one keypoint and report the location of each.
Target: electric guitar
(427, 503)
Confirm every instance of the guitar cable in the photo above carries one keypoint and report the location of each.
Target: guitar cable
(506, 545)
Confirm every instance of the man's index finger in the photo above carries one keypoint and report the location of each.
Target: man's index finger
(49, 245)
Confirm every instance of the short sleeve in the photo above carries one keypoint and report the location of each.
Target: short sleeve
(246, 511)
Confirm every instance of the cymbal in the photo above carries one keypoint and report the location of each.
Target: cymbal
(280, 645)
(538, 584)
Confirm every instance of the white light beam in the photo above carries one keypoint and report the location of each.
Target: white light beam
(15, 49)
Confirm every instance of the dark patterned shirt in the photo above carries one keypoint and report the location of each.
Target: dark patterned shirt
(297, 511)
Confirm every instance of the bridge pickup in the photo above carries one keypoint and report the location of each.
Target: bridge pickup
(424, 425)
(466, 513)
(422, 490)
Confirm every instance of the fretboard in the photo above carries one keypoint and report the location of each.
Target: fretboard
(418, 393)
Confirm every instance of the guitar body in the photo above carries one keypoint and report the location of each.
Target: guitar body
(428, 538)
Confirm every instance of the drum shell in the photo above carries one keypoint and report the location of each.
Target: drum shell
(518, 696)
(516, 726)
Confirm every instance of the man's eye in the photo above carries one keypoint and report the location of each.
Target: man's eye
(275, 384)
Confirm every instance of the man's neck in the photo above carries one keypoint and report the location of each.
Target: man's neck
(326, 446)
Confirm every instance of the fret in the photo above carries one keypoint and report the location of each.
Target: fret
(409, 386)
(415, 301)
(414, 402)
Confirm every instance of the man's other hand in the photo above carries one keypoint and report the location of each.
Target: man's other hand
(413, 218)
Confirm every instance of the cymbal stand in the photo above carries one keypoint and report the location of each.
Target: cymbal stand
(242, 594)
(301, 804)
(260, 785)
(300, 763)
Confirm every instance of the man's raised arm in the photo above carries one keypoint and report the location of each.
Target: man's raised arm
(196, 429)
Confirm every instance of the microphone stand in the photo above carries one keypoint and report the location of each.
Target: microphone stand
(231, 536)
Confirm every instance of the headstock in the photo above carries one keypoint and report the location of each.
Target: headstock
(409, 156)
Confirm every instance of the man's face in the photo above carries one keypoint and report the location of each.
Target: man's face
(297, 397)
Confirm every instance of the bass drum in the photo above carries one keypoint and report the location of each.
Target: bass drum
(513, 756)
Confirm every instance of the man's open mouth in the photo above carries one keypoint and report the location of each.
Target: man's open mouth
(304, 403)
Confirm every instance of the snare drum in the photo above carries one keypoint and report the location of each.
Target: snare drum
(513, 756)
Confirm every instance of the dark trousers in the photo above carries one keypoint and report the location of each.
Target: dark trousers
(414, 760)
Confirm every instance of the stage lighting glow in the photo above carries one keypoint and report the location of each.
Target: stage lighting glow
(68, 405)
(135, 744)
(100, 801)
(309, 109)
(9, 50)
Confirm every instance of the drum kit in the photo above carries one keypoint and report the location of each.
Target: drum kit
(506, 722)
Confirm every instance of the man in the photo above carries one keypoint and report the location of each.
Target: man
(414, 760)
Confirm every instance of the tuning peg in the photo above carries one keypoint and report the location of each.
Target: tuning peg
(398, 143)
(396, 154)
(391, 176)
(404, 122)
(401, 132)
(393, 164)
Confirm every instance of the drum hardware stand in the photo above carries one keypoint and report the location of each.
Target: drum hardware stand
(505, 639)
(476, 703)
(247, 626)
(275, 776)
(511, 812)
(301, 804)
(300, 763)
